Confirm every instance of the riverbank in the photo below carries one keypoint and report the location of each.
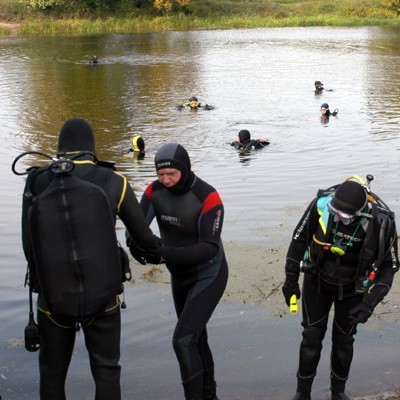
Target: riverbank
(19, 20)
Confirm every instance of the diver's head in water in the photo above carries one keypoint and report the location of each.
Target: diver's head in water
(194, 103)
(325, 109)
(318, 85)
(138, 144)
(174, 168)
(244, 136)
(76, 135)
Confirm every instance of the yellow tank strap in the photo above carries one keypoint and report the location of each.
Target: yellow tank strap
(83, 162)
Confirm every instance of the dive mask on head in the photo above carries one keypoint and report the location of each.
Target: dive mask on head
(341, 216)
(194, 104)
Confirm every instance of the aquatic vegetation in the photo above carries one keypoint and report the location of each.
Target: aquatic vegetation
(152, 272)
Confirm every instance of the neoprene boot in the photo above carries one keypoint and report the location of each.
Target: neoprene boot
(337, 388)
(301, 396)
(339, 396)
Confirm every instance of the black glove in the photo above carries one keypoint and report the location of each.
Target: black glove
(291, 287)
(137, 252)
(159, 255)
(360, 313)
(376, 294)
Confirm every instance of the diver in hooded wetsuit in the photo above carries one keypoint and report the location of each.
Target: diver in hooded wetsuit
(194, 104)
(337, 244)
(190, 214)
(245, 142)
(138, 147)
(102, 331)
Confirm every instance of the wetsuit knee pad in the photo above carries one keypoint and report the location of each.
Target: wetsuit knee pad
(183, 340)
(312, 336)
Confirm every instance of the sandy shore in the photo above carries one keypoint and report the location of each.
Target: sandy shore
(256, 277)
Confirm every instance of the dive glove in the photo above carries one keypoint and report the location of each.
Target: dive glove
(137, 252)
(158, 255)
(291, 287)
(360, 313)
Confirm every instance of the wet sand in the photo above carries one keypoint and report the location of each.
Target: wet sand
(256, 284)
(256, 275)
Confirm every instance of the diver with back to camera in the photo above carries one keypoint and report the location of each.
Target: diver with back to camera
(75, 263)
(245, 142)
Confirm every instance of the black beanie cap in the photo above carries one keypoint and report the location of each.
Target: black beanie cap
(350, 197)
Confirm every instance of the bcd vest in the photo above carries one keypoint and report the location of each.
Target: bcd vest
(74, 245)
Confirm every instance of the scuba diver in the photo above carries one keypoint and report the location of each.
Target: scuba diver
(75, 263)
(94, 60)
(345, 244)
(326, 113)
(190, 215)
(138, 147)
(319, 87)
(194, 104)
(245, 142)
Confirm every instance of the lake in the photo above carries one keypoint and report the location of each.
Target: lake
(256, 79)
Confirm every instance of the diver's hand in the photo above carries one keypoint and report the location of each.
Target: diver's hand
(360, 313)
(159, 255)
(137, 252)
(291, 287)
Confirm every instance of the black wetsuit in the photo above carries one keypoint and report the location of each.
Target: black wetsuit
(190, 224)
(253, 144)
(102, 332)
(332, 282)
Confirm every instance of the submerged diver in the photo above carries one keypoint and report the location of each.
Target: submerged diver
(190, 215)
(245, 142)
(87, 253)
(94, 60)
(194, 104)
(346, 246)
(138, 147)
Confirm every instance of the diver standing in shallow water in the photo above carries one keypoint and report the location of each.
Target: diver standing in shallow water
(102, 330)
(189, 214)
(346, 246)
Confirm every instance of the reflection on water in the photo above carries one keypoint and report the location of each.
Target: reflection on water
(258, 79)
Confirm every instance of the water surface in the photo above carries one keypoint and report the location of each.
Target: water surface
(257, 79)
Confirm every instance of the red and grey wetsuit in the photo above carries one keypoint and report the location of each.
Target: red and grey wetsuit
(190, 221)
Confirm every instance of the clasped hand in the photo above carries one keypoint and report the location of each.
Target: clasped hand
(144, 257)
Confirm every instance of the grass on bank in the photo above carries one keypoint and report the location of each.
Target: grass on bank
(200, 14)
